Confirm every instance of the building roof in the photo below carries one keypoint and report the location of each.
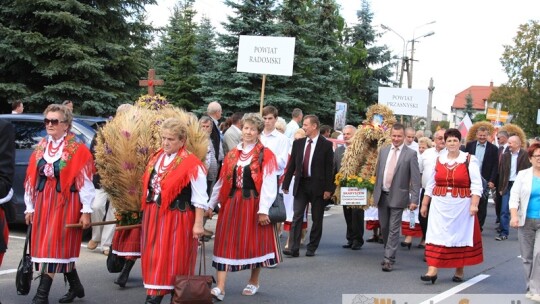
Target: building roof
(479, 94)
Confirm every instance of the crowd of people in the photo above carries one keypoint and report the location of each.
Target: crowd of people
(427, 188)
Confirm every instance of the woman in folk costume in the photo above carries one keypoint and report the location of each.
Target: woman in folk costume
(247, 187)
(58, 191)
(173, 207)
(453, 238)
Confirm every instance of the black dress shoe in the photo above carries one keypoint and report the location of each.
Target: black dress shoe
(348, 245)
(406, 244)
(310, 253)
(373, 239)
(291, 253)
(457, 279)
(427, 278)
(356, 246)
(387, 267)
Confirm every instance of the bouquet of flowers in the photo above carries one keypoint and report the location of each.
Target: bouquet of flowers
(156, 102)
(355, 181)
(127, 218)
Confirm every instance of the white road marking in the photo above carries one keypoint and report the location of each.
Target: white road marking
(452, 291)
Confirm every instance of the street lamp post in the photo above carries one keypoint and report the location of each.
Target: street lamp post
(403, 53)
(407, 63)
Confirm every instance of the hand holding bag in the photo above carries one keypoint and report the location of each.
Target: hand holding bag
(23, 279)
(193, 289)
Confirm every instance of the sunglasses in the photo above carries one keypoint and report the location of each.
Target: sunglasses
(53, 122)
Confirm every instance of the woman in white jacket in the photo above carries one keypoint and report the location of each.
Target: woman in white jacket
(525, 215)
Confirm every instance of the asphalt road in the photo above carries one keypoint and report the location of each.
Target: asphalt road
(334, 275)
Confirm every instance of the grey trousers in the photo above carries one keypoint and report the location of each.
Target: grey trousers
(529, 243)
(390, 220)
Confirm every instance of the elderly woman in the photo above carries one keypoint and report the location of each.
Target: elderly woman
(525, 216)
(174, 187)
(247, 187)
(453, 237)
(58, 191)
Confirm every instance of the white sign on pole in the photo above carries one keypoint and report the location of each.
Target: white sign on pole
(340, 117)
(538, 117)
(405, 101)
(266, 55)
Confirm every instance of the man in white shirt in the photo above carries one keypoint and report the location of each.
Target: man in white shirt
(409, 139)
(294, 124)
(273, 139)
(427, 161)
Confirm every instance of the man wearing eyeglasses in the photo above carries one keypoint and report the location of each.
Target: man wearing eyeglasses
(511, 163)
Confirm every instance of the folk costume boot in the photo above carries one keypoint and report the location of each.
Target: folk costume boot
(75, 287)
(124, 275)
(42, 294)
(153, 299)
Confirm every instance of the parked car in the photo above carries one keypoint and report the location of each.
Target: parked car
(29, 130)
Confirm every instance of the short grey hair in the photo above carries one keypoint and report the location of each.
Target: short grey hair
(213, 107)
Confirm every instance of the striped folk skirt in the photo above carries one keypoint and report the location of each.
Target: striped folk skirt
(127, 243)
(167, 241)
(240, 242)
(55, 248)
(455, 257)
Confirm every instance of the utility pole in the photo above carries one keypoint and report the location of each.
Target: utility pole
(429, 105)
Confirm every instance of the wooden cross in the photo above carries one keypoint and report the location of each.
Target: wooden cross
(151, 82)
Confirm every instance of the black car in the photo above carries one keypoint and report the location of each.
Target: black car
(29, 130)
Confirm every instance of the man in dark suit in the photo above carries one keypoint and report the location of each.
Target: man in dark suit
(7, 169)
(502, 140)
(487, 155)
(397, 187)
(214, 111)
(513, 161)
(311, 163)
(354, 217)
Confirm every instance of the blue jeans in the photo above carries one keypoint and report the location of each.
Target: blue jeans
(505, 213)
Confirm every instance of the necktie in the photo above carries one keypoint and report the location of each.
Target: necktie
(391, 169)
(305, 165)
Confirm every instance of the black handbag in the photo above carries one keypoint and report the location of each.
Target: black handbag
(115, 263)
(23, 279)
(277, 212)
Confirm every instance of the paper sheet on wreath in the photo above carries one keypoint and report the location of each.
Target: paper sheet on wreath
(352, 196)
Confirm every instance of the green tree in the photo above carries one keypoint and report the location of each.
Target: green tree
(469, 105)
(179, 64)
(368, 65)
(206, 53)
(91, 52)
(240, 92)
(521, 62)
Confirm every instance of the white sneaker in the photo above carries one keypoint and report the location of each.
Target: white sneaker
(536, 298)
(529, 295)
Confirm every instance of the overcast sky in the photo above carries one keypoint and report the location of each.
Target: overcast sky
(464, 51)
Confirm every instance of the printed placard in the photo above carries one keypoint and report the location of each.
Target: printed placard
(266, 55)
(352, 196)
